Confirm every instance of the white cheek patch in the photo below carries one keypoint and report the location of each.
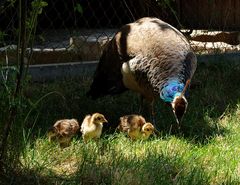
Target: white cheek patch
(125, 68)
(128, 77)
(174, 102)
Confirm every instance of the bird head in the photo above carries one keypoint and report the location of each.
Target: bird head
(52, 132)
(99, 118)
(147, 129)
(179, 104)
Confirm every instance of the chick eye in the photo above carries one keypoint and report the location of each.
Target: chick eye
(147, 129)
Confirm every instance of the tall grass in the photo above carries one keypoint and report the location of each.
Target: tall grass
(204, 151)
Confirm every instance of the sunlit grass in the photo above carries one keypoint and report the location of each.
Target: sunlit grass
(205, 150)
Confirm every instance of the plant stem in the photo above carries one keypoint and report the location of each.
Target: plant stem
(20, 56)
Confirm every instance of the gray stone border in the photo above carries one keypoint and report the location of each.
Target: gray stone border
(50, 72)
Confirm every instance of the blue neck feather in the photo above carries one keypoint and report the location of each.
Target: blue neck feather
(170, 90)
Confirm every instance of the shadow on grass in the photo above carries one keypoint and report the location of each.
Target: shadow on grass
(216, 96)
(217, 93)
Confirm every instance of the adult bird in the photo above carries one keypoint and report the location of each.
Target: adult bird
(148, 56)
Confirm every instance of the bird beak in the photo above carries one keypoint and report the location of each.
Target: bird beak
(179, 106)
(178, 116)
(105, 121)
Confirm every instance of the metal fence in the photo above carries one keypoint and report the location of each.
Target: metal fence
(76, 30)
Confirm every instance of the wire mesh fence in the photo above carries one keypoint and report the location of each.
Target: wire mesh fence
(77, 30)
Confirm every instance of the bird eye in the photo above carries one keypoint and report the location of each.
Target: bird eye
(147, 129)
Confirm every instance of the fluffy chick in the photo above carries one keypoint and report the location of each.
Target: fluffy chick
(63, 131)
(92, 125)
(136, 127)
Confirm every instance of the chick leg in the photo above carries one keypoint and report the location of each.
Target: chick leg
(85, 139)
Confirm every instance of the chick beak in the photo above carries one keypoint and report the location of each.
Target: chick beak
(104, 120)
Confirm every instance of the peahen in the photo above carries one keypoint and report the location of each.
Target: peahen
(150, 57)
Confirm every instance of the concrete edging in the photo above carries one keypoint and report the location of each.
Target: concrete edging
(49, 72)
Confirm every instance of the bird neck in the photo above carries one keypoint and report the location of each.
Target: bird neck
(171, 89)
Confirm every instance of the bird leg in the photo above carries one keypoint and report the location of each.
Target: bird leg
(150, 109)
(152, 113)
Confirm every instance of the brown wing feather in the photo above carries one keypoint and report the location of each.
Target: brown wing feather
(123, 124)
(74, 126)
(136, 122)
(131, 122)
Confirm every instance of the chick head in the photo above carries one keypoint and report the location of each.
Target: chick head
(147, 129)
(99, 118)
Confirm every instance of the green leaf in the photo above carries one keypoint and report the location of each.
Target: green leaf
(78, 8)
(38, 5)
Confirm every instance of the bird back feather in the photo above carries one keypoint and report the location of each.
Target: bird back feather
(150, 53)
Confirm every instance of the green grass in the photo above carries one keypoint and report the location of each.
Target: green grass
(205, 150)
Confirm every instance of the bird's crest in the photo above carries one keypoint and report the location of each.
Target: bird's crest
(185, 88)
